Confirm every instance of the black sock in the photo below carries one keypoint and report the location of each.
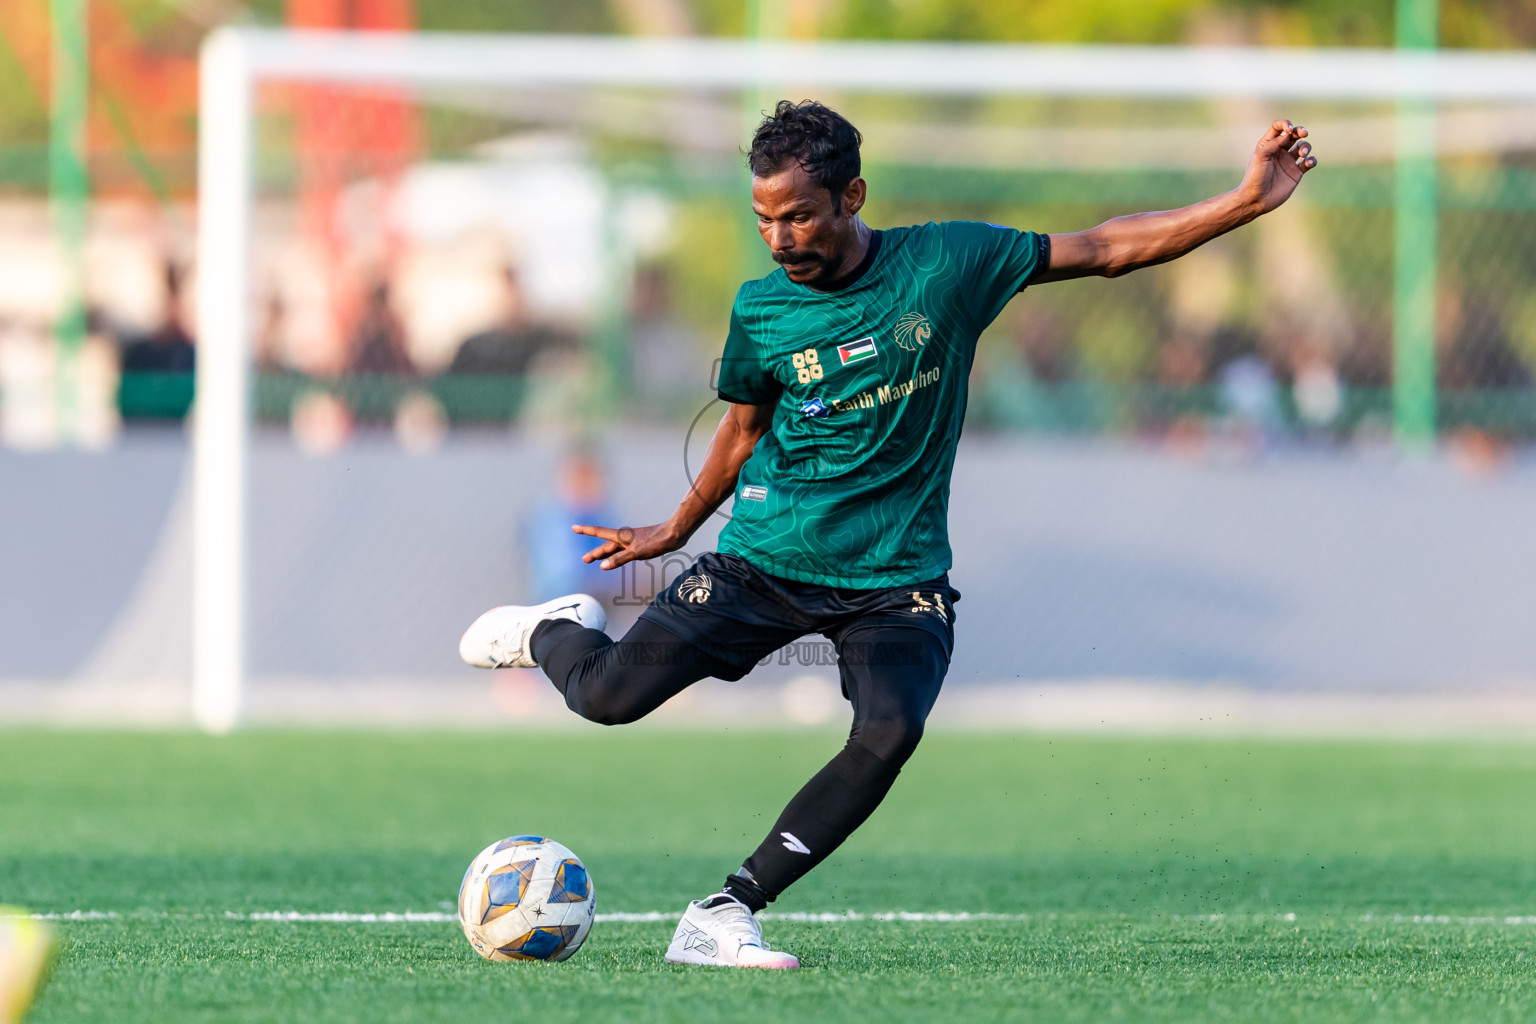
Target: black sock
(744, 888)
(825, 812)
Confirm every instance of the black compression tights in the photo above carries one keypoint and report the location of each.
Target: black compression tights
(892, 674)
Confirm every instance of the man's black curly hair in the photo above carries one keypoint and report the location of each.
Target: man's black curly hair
(817, 137)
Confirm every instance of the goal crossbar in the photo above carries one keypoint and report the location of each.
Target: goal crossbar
(235, 60)
(927, 68)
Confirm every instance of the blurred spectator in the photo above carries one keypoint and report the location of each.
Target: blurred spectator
(168, 348)
(1250, 392)
(97, 409)
(1245, 384)
(554, 551)
(378, 346)
(1183, 362)
(510, 346)
(1365, 355)
(1174, 407)
(1316, 388)
(667, 361)
(156, 382)
(28, 385)
(1035, 387)
(269, 336)
(1046, 348)
(1476, 352)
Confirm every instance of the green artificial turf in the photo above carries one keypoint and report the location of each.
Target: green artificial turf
(1114, 855)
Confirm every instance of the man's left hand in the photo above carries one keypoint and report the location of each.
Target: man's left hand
(1279, 160)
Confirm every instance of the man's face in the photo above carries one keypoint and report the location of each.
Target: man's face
(812, 235)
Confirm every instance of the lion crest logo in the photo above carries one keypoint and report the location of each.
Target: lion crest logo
(913, 331)
(695, 589)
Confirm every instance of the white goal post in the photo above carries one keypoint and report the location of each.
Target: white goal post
(235, 60)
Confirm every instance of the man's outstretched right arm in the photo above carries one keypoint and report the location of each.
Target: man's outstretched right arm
(738, 433)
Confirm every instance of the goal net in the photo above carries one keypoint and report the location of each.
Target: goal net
(454, 292)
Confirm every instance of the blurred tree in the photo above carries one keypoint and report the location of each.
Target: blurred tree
(1470, 23)
(24, 73)
(653, 17)
(515, 15)
(143, 51)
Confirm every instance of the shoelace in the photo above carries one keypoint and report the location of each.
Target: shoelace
(737, 922)
(505, 650)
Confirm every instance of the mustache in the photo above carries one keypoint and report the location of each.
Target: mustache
(792, 259)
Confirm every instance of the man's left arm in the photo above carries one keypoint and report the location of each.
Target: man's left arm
(1124, 244)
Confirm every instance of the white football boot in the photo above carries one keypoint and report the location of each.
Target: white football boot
(723, 935)
(499, 638)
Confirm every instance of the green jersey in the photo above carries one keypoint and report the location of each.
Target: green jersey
(850, 487)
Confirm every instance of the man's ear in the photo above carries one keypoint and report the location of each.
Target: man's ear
(854, 196)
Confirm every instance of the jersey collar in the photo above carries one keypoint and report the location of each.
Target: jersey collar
(855, 275)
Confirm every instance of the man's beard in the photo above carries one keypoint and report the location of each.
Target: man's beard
(802, 261)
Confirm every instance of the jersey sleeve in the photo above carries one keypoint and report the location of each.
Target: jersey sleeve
(743, 379)
(994, 264)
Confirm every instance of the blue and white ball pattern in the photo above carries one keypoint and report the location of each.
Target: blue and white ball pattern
(526, 898)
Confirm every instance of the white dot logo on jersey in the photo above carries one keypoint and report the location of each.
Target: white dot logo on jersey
(857, 351)
(807, 365)
(913, 331)
(695, 589)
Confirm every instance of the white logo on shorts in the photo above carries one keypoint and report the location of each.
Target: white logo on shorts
(695, 589)
(922, 604)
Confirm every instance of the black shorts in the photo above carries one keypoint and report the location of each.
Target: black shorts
(740, 614)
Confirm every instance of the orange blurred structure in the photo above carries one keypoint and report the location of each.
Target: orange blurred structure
(347, 134)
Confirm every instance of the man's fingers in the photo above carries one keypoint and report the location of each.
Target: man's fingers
(1281, 135)
(605, 532)
(617, 559)
(623, 535)
(1300, 151)
(618, 546)
(601, 551)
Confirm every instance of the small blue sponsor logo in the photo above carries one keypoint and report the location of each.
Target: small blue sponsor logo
(815, 408)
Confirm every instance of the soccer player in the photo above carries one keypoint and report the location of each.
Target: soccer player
(846, 371)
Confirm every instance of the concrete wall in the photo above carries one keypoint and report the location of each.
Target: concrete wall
(1076, 562)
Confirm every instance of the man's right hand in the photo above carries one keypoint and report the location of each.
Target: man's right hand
(628, 543)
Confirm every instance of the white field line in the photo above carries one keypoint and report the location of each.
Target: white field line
(796, 917)
(654, 916)
(408, 917)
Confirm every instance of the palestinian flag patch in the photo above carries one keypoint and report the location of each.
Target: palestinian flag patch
(857, 351)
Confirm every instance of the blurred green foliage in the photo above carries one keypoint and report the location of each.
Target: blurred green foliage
(173, 26)
(1472, 23)
(1488, 249)
(23, 109)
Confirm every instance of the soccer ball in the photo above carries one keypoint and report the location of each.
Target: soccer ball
(526, 898)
